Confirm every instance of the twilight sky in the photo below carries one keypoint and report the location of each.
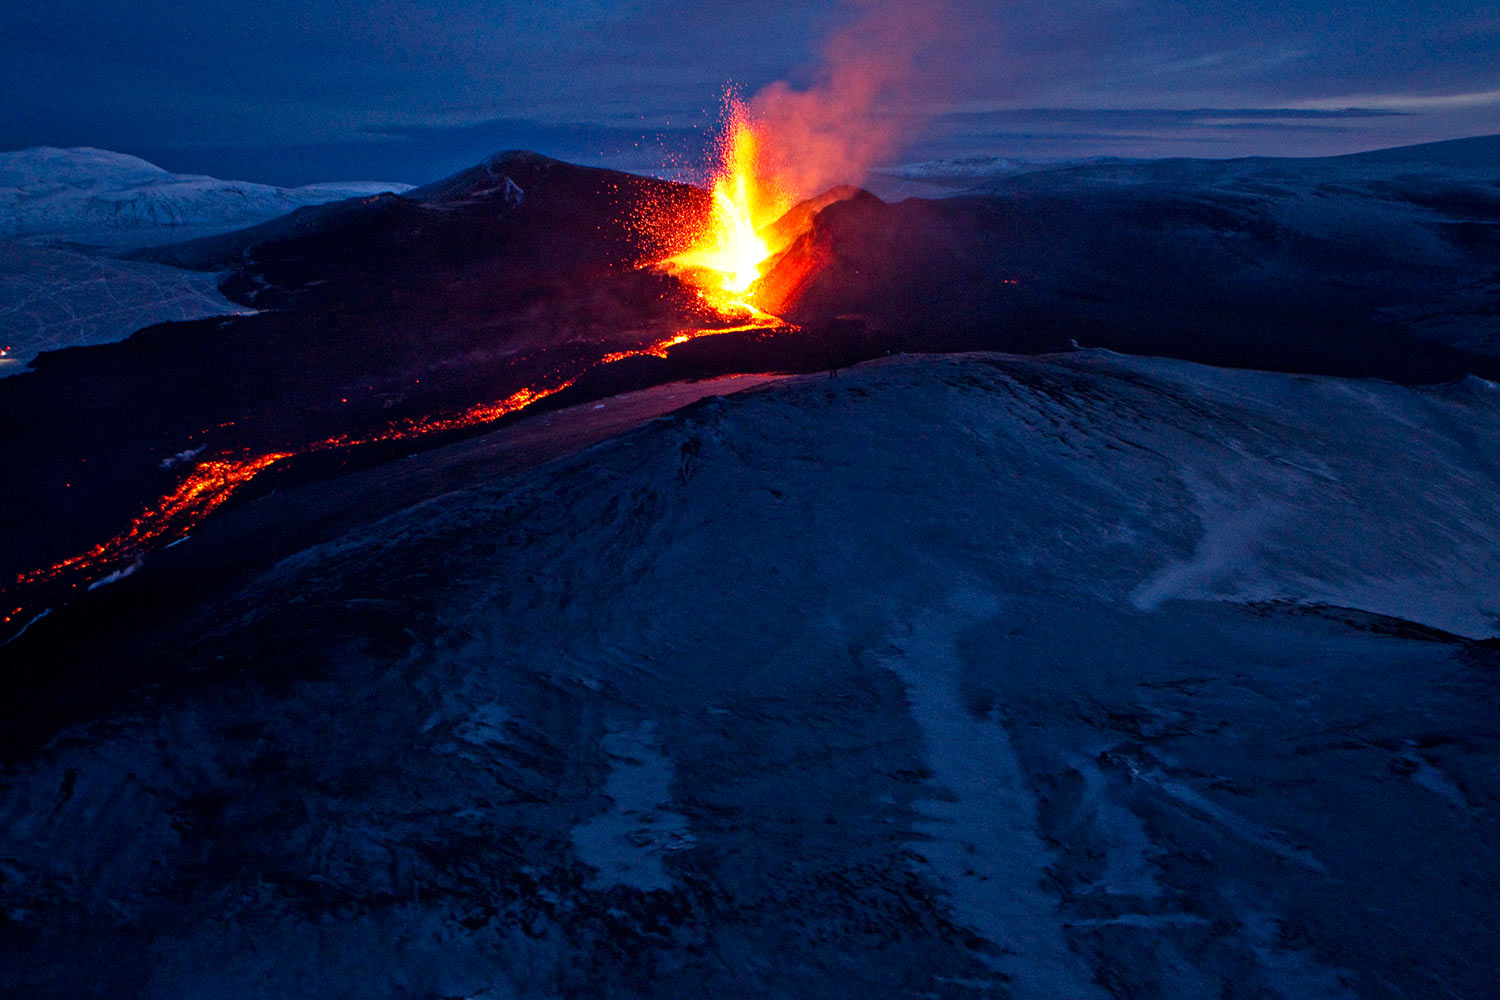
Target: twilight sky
(290, 91)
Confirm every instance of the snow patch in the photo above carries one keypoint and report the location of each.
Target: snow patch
(186, 455)
(627, 842)
(980, 838)
(118, 574)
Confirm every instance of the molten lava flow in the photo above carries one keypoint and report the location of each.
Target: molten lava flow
(211, 483)
(206, 488)
(729, 246)
(758, 321)
(417, 427)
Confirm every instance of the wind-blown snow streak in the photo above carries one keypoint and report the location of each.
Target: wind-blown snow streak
(980, 832)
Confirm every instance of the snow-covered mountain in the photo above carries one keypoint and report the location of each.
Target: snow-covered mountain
(1465, 158)
(962, 677)
(1376, 263)
(62, 210)
(966, 171)
(87, 193)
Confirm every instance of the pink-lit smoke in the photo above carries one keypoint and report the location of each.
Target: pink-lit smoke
(865, 103)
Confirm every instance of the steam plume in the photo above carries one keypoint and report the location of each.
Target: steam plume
(862, 107)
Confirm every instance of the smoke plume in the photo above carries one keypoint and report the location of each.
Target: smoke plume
(864, 105)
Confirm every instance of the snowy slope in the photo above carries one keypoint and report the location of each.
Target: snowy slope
(962, 677)
(52, 298)
(82, 193)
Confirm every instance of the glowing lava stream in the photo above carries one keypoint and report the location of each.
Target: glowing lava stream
(214, 481)
(208, 486)
(723, 263)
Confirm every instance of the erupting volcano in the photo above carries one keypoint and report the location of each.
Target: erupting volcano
(859, 530)
(717, 247)
(729, 246)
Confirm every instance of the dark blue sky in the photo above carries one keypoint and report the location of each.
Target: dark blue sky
(298, 90)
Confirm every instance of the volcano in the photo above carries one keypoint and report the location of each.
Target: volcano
(377, 320)
(1082, 585)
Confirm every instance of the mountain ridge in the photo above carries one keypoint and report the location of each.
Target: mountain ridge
(77, 192)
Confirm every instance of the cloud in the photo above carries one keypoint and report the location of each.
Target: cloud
(850, 81)
(1411, 103)
(1169, 115)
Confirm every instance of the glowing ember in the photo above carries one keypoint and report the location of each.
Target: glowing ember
(728, 249)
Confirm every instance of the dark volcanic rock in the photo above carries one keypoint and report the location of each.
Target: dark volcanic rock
(1356, 266)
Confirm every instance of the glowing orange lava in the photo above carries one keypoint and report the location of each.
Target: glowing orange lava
(728, 247)
(758, 321)
(206, 487)
(212, 482)
(481, 413)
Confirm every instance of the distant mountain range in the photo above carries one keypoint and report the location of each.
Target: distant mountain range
(64, 212)
(1480, 152)
(87, 193)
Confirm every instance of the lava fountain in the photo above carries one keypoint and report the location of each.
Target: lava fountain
(727, 247)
